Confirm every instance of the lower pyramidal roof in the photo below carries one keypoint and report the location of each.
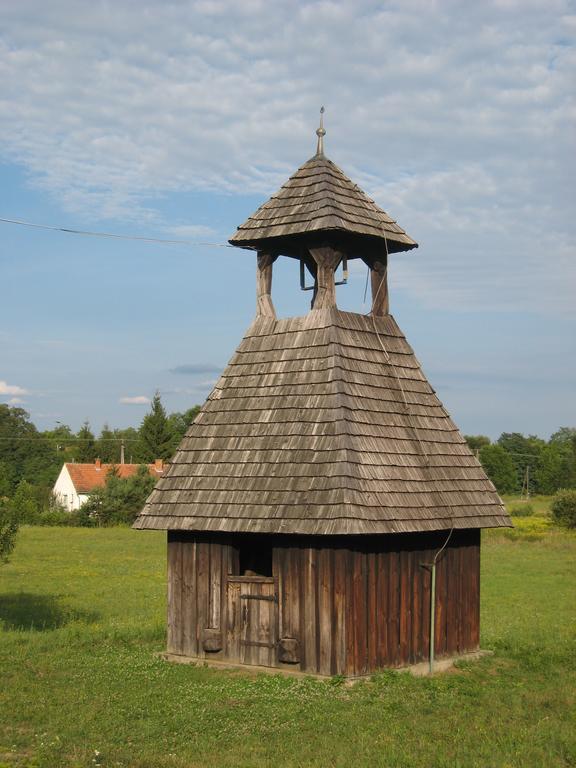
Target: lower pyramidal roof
(323, 424)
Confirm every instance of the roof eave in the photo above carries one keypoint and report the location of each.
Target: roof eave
(357, 244)
(147, 520)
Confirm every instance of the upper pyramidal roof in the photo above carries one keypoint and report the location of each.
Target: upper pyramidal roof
(320, 198)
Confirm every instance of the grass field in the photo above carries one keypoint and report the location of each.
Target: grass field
(540, 505)
(82, 613)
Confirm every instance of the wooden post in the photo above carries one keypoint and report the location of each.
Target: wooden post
(327, 259)
(264, 304)
(379, 280)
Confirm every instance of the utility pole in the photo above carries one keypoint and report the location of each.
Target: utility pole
(122, 452)
(525, 493)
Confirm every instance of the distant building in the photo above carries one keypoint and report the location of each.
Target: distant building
(76, 481)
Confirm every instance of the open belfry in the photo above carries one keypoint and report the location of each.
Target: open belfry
(323, 507)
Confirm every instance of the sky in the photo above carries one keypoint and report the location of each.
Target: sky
(176, 120)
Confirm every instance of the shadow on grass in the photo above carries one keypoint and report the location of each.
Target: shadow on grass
(24, 610)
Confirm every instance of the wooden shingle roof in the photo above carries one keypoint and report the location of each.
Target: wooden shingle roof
(320, 198)
(323, 424)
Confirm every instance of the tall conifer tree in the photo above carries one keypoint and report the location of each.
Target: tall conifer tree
(156, 436)
(108, 448)
(86, 449)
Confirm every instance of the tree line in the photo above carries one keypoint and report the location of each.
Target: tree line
(516, 463)
(30, 459)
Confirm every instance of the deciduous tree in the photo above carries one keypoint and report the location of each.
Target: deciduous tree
(475, 442)
(499, 468)
(121, 499)
(179, 423)
(553, 469)
(524, 452)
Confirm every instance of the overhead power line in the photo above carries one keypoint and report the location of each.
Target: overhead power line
(113, 235)
(73, 439)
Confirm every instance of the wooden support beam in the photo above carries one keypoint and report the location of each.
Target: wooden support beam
(327, 260)
(379, 281)
(264, 304)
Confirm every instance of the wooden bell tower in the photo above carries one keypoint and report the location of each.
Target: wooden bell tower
(323, 476)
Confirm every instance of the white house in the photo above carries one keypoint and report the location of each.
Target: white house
(76, 481)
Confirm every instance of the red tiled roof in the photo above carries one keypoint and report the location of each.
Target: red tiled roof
(87, 477)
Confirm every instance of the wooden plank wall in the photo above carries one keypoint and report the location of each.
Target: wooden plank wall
(357, 605)
(354, 604)
(197, 568)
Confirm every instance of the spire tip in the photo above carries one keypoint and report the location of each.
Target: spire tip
(320, 132)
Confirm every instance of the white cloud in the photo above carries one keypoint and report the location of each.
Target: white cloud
(15, 401)
(456, 116)
(135, 400)
(483, 249)
(11, 389)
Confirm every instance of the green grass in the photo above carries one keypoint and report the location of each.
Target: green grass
(539, 504)
(82, 613)
(534, 525)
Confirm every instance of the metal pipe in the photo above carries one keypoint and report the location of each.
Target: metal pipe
(432, 567)
(432, 614)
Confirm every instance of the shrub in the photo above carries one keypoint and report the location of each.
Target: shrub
(51, 517)
(120, 501)
(82, 518)
(56, 516)
(522, 510)
(25, 504)
(8, 529)
(563, 508)
(527, 529)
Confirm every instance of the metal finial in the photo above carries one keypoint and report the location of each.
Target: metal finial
(320, 132)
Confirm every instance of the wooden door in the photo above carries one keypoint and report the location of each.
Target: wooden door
(252, 604)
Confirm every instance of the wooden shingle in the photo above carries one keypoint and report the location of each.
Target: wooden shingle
(323, 424)
(320, 198)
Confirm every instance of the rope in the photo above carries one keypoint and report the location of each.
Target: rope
(393, 367)
(366, 285)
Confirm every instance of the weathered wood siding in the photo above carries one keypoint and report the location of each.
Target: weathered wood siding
(197, 591)
(353, 604)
